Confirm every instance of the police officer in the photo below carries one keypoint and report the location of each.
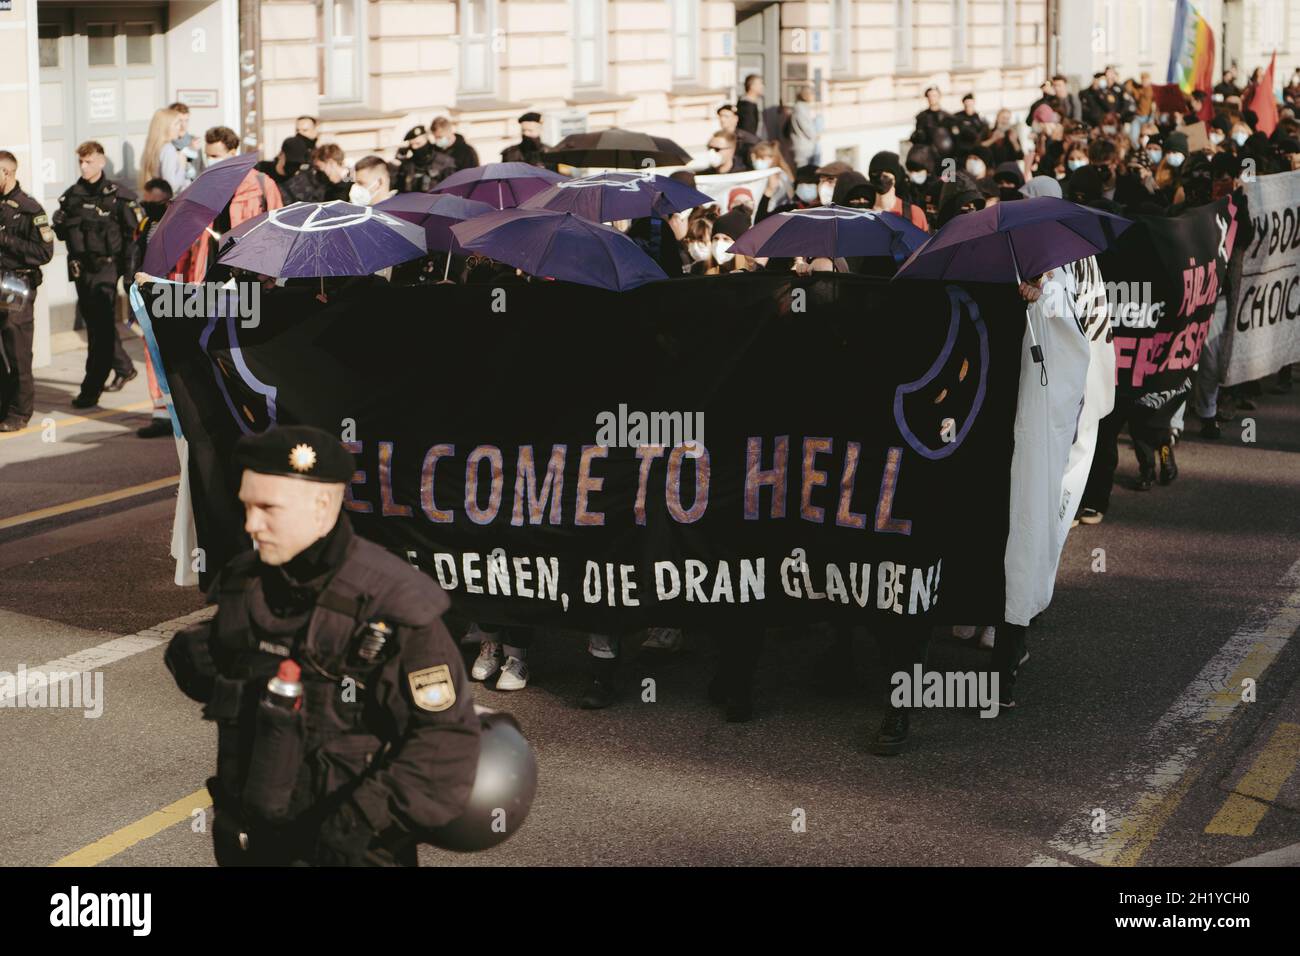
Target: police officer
(385, 744)
(98, 220)
(26, 244)
(423, 165)
(530, 148)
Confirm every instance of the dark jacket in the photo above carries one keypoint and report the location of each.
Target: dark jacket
(461, 154)
(311, 185)
(26, 239)
(526, 151)
(384, 749)
(748, 116)
(420, 170)
(99, 221)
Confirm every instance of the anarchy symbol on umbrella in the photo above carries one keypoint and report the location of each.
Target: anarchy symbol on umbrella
(324, 216)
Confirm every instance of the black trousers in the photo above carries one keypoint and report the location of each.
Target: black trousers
(1147, 435)
(97, 298)
(17, 389)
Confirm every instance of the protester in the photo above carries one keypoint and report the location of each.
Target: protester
(325, 179)
(805, 129)
(729, 122)
(749, 109)
(374, 175)
(160, 158)
(723, 155)
(191, 147)
(449, 143)
(893, 189)
(778, 189)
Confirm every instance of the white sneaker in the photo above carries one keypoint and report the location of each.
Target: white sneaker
(488, 661)
(987, 637)
(514, 675)
(663, 639)
(963, 632)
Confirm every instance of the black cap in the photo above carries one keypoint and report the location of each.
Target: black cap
(531, 118)
(415, 131)
(296, 451)
(734, 224)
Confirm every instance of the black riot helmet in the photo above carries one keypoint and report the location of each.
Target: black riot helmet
(503, 789)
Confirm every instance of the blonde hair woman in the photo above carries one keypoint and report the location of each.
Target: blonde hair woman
(161, 159)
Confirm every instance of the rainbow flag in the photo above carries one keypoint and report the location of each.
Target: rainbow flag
(1191, 55)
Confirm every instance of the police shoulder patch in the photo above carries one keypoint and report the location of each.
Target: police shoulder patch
(41, 220)
(432, 688)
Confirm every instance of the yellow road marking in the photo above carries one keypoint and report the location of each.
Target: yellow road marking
(90, 502)
(133, 833)
(1245, 807)
(78, 419)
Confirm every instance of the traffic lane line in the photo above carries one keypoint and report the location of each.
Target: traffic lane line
(25, 550)
(128, 836)
(69, 420)
(102, 655)
(1246, 806)
(1141, 798)
(93, 501)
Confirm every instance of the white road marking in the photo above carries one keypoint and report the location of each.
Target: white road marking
(110, 652)
(1139, 799)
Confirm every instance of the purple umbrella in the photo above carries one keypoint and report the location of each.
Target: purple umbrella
(1013, 239)
(437, 213)
(334, 238)
(1002, 243)
(559, 245)
(190, 213)
(832, 231)
(501, 184)
(608, 197)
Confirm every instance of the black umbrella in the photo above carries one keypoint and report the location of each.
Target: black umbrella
(617, 149)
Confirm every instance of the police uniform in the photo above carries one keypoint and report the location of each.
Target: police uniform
(531, 151)
(422, 169)
(26, 244)
(385, 745)
(99, 222)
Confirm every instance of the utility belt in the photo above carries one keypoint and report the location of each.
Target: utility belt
(85, 265)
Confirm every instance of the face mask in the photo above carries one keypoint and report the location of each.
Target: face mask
(919, 176)
(806, 192)
(1074, 164)
(976, 168)
(825, 194)
(762, 164)
(1154, 155)
(720, 255)
(1216, 138)
(154, 210)
(698, 251)
(443, 142)
(1176, 159)
(1108, 130)
(1240, 138)
(714, 157)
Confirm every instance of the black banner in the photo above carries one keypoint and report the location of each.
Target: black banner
(529, 444)
(1163, 276)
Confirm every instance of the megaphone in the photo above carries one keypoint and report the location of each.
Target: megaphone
(503, 790)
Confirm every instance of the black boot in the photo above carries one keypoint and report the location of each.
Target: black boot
(892, 734)
(1168, 467)
(1145, 480)
(601, 692)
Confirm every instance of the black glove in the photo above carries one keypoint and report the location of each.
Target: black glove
(343, 838)
(189, 659)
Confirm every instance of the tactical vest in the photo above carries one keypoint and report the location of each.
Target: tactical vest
(345, 732)
(93, 223)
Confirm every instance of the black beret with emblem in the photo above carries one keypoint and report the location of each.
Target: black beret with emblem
(531, 118)
(298, 451)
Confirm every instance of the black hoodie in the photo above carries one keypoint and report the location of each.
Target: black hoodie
(461, 153)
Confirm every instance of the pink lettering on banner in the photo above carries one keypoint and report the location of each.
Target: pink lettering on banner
(1232, 229)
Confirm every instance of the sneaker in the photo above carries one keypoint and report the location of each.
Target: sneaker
(514, 674)
(13, 424)
(987, 637)
(892, 734)
(1090, 516)
(1168, 467)
(1145, 480)
(155, 429)
(1210, 428)
(964, 632)
(667, 639)
(488, 661)
(120, 380)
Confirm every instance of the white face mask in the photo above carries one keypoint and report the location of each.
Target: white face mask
(1240, 138)
(806, 192)
(443, 142)
(698, 251)
(762, 164)
(1074, 164)
(1108, 130)
(714, 157)
(720, 255)
(1154, 155)
(1216, 138)
(1176, 159)
(976, 168)
(918, 176)
(825, 193)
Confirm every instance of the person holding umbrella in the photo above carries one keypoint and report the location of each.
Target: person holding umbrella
(530, 149)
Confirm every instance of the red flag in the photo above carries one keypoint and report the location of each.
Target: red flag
(1169, 98)
(1263, 103)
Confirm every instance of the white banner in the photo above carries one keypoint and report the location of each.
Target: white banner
(1263, 329)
